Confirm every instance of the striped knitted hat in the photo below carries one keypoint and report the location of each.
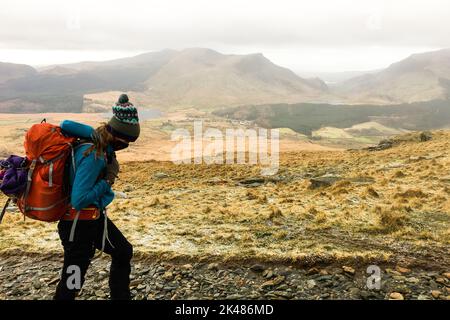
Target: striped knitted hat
(125, 121)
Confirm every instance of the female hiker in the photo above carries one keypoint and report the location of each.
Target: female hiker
(86, 227)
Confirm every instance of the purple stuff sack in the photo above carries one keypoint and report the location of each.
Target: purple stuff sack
(14, 175)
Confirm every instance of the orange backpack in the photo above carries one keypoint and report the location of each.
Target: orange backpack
(46, 197)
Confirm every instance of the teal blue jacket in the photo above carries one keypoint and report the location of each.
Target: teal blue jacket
(87, 187)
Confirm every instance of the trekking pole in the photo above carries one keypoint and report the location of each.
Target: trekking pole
(4, 209)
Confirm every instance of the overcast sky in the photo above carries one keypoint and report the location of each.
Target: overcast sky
(315, 35)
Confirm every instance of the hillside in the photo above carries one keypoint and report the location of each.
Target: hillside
(308, 117)
(335, 211)
(11, 71)
(191, 77)
(420, 77)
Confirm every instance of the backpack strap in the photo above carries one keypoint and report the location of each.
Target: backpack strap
(74, 147)
(83, 144)
(105, 236)
(74, 225)
(77, 216)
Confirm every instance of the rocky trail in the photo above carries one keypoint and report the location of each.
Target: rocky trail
(36, 276)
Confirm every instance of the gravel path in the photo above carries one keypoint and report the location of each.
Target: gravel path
(34, 277)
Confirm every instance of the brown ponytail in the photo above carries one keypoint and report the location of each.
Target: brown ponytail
(101, 138)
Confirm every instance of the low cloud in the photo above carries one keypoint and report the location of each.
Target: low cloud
(276, 25)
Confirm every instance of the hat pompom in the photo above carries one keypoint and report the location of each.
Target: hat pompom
(123, 98)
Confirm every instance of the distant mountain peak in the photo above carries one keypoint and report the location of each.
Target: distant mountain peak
(419, 77)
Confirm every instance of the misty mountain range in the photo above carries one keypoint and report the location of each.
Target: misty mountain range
(205, 78)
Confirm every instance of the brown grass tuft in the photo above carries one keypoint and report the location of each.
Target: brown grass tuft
(154, 202)
(371, 192)
(321, 217)
(252, 195)
(447, 190)
(275, 212)
(392, 218)
(207, 209)
(312, 210)
(411, 193)
(399, 174)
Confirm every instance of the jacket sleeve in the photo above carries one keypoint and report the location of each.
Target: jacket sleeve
(76, 129)
(86, 189)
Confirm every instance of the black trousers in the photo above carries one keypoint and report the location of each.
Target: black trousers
(78, 255)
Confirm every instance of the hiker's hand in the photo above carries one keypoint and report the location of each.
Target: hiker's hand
(112, 170)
